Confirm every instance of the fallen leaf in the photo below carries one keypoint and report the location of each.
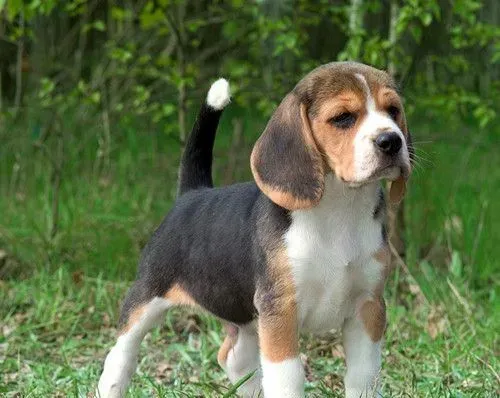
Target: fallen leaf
(164, 370)
(436, 322)
(77, 277)
(106, 320)
(338, 351)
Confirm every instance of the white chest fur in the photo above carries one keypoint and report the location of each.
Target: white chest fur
(330, 249)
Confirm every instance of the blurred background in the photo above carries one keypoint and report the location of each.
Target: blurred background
(96, 100)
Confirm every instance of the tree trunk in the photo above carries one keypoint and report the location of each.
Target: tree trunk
(355, 16)
(56, 182)
(113, 83)
(236, 142)
(391, 65)
(355, 29)
(395, 213)
(181, 13)
(181, 98)
(1, 90)
(82, 44)
(181, 60)
(19, 66)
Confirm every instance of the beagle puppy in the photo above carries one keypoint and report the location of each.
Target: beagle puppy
(302, 249)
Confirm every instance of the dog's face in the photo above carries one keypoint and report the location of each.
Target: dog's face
(357, 121)
(345, 118)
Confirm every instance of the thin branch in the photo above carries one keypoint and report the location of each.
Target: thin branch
(207, 53)
(1, 91)
(56, 183)
(393, 20)
(406, 270)
(82, 44)
(355, 16)
(19, 66)
(172, 25)
(234, 151)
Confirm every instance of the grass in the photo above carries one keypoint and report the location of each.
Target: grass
(58, 326)
(59, 295)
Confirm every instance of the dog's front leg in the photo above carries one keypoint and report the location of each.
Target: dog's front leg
(282, 371)
(362, 338)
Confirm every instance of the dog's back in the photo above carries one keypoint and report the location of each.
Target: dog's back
(201, 240)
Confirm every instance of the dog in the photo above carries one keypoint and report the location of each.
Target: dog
(304, 248)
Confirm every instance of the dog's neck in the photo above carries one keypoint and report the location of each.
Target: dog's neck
(342, 196)
(342, 206)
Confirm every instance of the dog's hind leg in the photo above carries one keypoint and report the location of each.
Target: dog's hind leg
(239, 356)
(139, 315)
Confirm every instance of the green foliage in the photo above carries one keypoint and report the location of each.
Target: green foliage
(139, 58)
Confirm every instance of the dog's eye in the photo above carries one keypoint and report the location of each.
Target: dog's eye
(344, 120)
(393, 112)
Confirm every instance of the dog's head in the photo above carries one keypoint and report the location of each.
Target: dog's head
(346, 118)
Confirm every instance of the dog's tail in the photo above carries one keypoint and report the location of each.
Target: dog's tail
(196, 164)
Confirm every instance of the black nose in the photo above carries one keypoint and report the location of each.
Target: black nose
(389, 143)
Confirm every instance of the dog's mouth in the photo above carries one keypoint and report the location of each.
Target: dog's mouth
(390, 172)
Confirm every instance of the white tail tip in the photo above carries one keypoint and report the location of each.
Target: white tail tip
(219, 95)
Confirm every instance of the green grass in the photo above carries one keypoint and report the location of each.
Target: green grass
(59, 296)
(57, 327)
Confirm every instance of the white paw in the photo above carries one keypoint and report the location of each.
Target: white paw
(283, 379)
(362, 393)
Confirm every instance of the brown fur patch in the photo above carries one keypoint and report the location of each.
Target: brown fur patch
(276, 303)
(337, 145)
(333, 79)
(383, 256)
(133, 318)
(285, 199)
(372, 314)
(386, 97)
(177, 295)
(227, 345)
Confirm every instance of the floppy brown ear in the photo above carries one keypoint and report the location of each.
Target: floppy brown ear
(397, 190)
(285, 161)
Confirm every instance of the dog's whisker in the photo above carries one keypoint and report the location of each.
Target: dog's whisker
(421, 157)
